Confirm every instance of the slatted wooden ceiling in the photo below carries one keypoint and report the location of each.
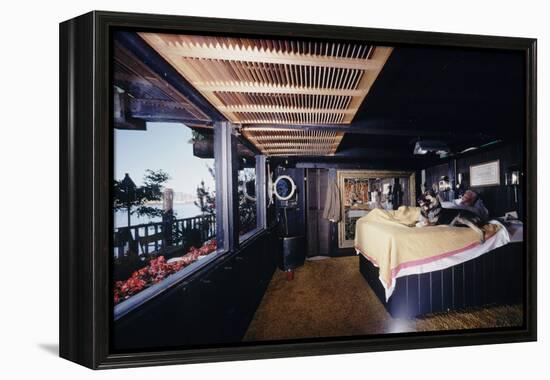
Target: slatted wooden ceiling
(261, 81)
(293, 142)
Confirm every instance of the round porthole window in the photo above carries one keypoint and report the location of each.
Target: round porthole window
(284, 187)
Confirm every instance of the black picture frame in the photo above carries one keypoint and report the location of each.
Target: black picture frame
(85, 172)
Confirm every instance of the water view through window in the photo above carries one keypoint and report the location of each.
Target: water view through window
(164, 211)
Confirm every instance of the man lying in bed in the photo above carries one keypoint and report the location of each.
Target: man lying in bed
(470, 201)
(468, 211)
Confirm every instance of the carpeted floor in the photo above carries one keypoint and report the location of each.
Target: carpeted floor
(331, 298)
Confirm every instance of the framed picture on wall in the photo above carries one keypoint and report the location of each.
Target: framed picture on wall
(364, 190)
(485, 174)
(199, 155)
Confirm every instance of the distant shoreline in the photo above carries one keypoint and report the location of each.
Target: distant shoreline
(181, 210)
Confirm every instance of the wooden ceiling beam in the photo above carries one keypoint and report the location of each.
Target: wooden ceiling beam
(280, 109)
(273, 89)
(293, 146)
(274, 139)
(298, 124)
(301, 153)
(279, 58)
(378, 127)
(298, 149)
(305, 148)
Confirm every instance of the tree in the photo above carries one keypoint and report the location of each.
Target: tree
(134, 198)
(206, 200)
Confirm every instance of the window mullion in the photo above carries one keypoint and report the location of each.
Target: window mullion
(226, 183)
(261, 189)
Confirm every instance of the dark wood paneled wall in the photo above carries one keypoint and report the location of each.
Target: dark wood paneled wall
(214, 306)
(434, 173)
(498, 199)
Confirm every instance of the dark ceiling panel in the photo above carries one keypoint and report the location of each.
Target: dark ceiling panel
(437, 88)
(468, 96)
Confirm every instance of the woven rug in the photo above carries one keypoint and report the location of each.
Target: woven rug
(329, 298)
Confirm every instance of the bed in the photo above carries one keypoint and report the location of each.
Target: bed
(415, 271)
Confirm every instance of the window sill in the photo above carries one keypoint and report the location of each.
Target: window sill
(136, 301)
(153, 291)
(250, 234)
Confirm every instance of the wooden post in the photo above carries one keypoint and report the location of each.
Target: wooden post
(130, 187)
(167, 216)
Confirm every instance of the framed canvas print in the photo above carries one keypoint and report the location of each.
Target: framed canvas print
(237, 189)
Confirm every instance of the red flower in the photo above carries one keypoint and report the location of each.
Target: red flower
(157, 270)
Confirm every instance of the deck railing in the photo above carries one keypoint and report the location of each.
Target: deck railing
(159, 236)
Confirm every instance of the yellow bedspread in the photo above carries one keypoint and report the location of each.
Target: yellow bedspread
(391, 241)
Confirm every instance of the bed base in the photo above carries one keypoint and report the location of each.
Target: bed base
(494, 278)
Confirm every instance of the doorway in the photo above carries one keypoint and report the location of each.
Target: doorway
(318, 228)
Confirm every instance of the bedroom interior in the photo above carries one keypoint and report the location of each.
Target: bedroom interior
(321, 149)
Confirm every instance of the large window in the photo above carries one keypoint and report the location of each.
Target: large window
(246, 182)
(164, 210)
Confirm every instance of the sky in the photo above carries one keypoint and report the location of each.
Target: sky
(162, 146)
